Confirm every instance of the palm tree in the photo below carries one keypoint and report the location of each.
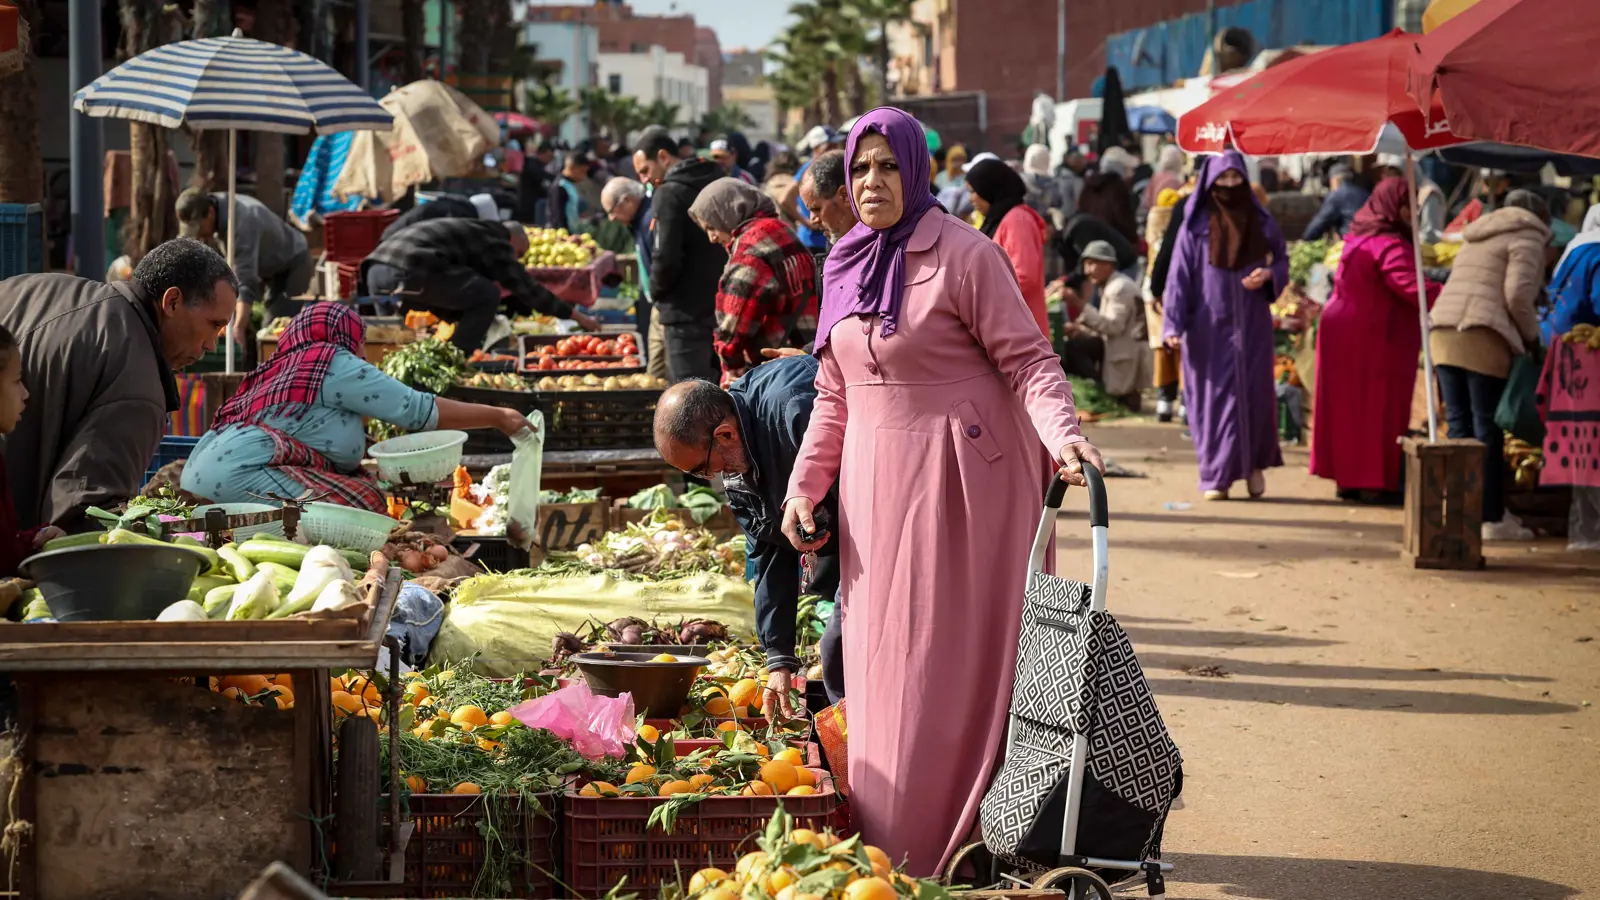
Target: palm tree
(660, 112)
(552, 106)
(21, 163)
(879, 15)
(147, 24)
(210, 18)
(615, 114)
(726, 118)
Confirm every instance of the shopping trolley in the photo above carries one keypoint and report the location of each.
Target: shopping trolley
(1090, 773)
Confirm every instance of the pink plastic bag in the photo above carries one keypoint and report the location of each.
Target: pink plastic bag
(595, 726)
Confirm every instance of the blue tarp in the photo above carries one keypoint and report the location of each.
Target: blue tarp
(1161, 54)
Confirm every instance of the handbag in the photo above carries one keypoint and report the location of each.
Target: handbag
(1518, 412)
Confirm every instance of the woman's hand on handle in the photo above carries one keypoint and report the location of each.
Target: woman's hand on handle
(1074, 457)
(797, 518)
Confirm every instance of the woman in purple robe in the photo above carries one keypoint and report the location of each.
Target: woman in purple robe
(1228, 266)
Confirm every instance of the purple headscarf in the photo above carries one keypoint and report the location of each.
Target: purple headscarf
(865, 274)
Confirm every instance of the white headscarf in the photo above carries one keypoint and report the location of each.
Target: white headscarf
(1171, 160)
(1588, 234)
(1036, 161)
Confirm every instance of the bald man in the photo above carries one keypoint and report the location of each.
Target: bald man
(750, 434)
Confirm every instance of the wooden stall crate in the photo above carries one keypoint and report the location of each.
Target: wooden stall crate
(1444, 504)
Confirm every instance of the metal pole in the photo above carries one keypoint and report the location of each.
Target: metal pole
(444, 37)
(233, 193)
(1061, 50)
(88, 145)
(1422, 298)
(363, 63)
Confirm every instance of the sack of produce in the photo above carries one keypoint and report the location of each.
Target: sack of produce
(511, 621)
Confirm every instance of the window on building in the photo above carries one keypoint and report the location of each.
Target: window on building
(614, 83)
(637, 48)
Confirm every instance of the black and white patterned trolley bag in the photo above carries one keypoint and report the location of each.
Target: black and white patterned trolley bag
(1079, 689)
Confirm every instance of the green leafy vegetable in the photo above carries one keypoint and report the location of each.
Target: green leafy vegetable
(657, 497)
(430, 365)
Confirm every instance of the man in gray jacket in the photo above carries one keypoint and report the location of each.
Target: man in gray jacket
(98, 359)
(271, 259)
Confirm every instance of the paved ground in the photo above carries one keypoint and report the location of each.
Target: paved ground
(1381, 732)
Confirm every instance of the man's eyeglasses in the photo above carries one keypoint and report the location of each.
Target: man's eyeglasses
(704, 471)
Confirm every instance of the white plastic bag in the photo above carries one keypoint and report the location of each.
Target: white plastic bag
(527, 468)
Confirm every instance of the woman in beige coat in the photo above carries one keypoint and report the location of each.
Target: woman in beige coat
(1484, 317)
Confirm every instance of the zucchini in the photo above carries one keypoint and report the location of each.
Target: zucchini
(282, 576)
(217, 601)
(87, 539)
(206, 584)
(358, 561)
(124, 536)
(284, 554)
(240, 568)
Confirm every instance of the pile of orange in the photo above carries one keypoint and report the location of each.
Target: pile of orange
(257, 690)
(785, 774)
(869, 874)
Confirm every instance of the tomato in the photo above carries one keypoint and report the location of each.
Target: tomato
(547, 349)
(547, 362)
(628, 362)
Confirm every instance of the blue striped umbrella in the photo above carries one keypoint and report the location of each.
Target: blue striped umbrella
(234, 83)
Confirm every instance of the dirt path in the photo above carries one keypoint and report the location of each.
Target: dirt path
(1353, 728)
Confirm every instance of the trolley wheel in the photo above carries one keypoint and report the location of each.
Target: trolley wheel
(1080, 884)
(970, 867)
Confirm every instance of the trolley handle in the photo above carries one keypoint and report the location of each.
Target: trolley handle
(1099, 515)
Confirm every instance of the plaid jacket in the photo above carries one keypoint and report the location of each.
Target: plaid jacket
(462, 247)
(767, 296)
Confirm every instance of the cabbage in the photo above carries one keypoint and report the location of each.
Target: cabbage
(255, 599)
(183, 611)
(336, 595)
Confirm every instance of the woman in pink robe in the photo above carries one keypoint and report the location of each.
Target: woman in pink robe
(939, 408)
(1367, 344)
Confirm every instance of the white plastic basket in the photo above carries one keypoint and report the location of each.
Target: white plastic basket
(346, 528)
(424, 458)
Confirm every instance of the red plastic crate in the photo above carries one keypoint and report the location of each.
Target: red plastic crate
(447, 853)
(607, 840)
(348, 237)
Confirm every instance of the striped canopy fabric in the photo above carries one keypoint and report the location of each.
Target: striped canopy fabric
(232, 83)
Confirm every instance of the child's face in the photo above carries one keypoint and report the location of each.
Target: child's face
(13, 394)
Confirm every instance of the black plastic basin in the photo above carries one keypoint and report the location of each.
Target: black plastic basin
(112, 582)
(659, 689)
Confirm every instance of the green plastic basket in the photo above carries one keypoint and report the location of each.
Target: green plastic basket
(424, 458)
(345, 527)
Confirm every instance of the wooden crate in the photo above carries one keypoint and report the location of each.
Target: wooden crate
(1444, 504)
(723, 524)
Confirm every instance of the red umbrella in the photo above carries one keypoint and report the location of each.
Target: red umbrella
(1515, 72)
(1332, 101)
(516, 123)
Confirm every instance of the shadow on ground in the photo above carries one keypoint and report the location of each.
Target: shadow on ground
(1291, 878)
(1179, 662)
(1375, 699)
(1378, 531)
(1200, 637)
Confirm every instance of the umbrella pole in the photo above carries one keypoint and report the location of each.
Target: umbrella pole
(1422, 298)
(233, 192)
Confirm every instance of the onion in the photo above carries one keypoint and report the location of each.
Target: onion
(413, 560)
(439, 552)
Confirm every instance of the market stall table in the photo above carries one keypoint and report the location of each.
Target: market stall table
(579, 286)
(120, 760)
(384, 336)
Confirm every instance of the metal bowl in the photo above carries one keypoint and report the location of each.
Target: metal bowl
(112, 582)
(659, 689)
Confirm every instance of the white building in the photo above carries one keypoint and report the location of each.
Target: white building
(574, 46)
(657, 74)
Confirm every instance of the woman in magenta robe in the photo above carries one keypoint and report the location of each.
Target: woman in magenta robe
(939, 409)
(1367, 345)
(1228, 265)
